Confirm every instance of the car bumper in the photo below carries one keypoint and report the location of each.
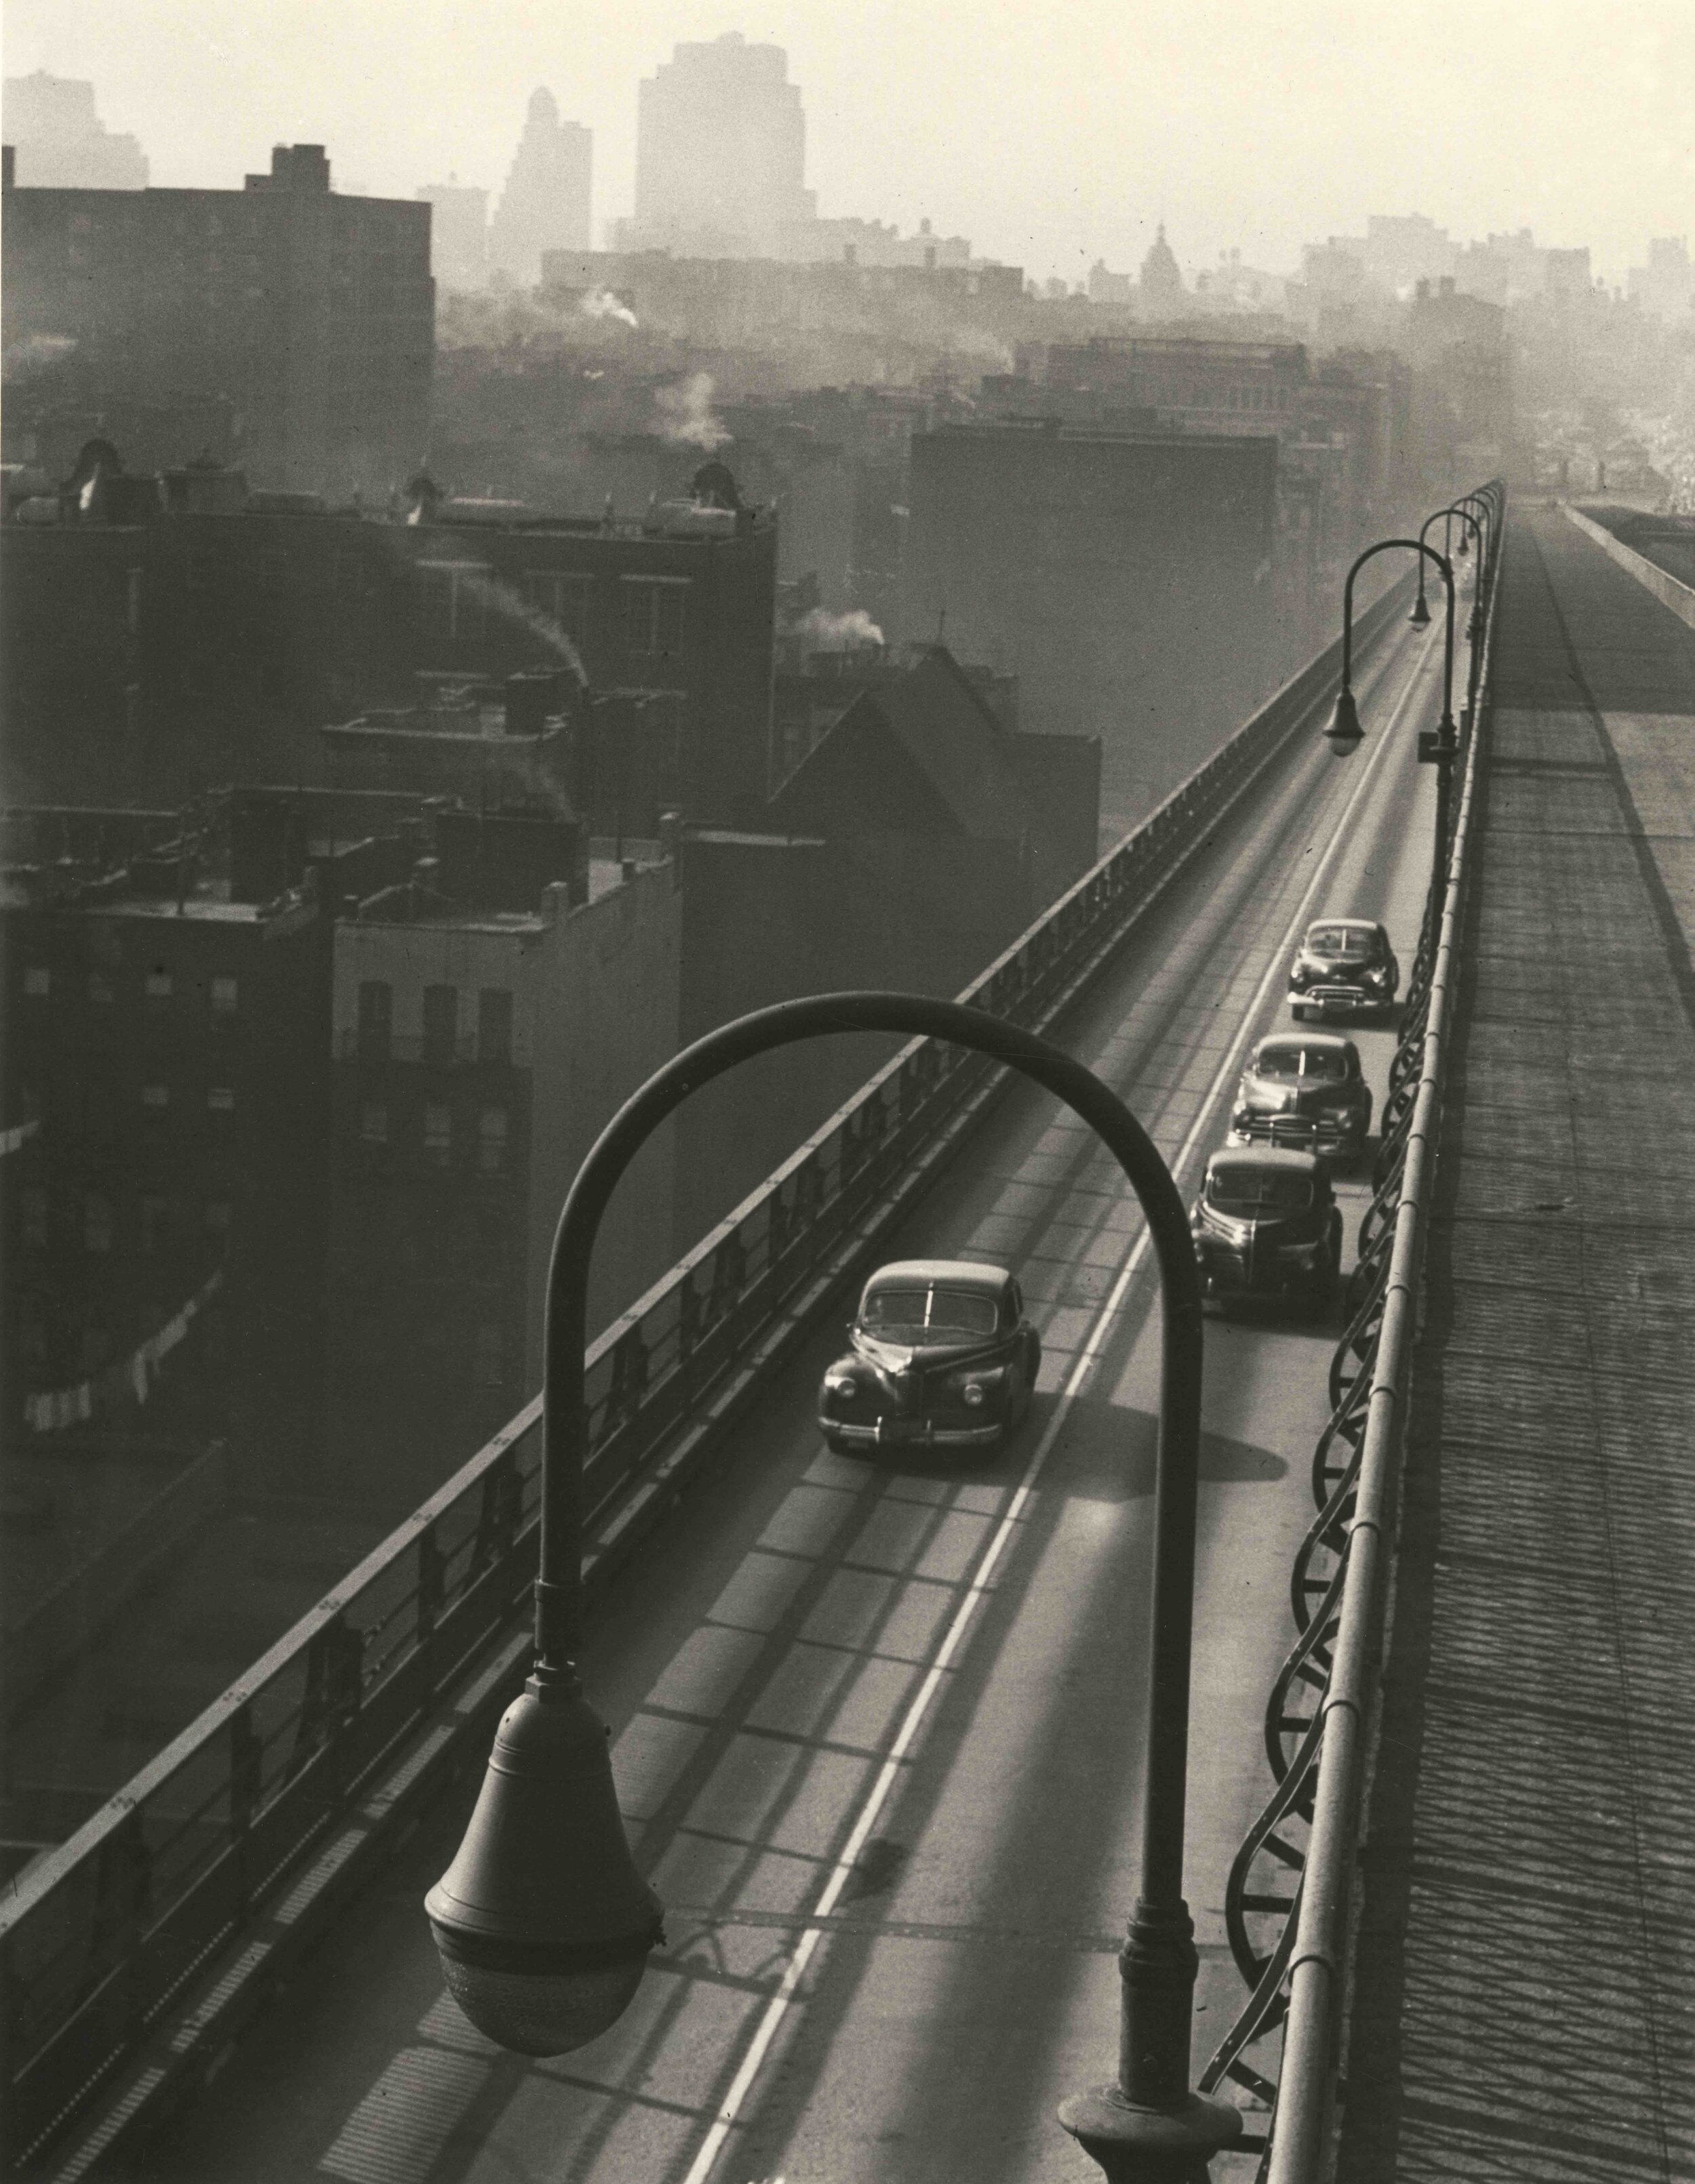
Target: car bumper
(1339, 1000)
(908, 1433)
(1225, 1278)
(1295, 1134)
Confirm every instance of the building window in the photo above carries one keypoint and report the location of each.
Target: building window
(373, 1123)
(223, 994)
(376, 1019)
(155, 1096)
(561, 597)
(439, 1134)
(491, 1357)
(653, 616)
(441, 1023)
(452, 598)
(221, 1100)
(32, 1340)
(99, 986)
(96, 1225)
(157, 985)
(494, 1024)
(32, 1216)
(96, 1348)
(491, 1142)
(38, 980)
(155, 1214)
(200, 572)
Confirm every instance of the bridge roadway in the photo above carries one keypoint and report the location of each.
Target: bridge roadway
(1525, 2007)
(877, 1730)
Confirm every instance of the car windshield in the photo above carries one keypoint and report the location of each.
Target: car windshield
(1250, 1192)
(936, 1314)
(1342, 940)
(1283, 1063)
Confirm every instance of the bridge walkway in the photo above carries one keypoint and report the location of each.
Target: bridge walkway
(877, 1731)
(1525, 2007)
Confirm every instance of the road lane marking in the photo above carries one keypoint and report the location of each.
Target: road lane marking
(729, 2112)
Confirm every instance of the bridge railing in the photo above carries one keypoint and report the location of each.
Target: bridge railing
(1287, 1899)
(107, 1936)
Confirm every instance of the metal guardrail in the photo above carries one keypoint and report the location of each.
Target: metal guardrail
(115, 1938)
(1287, 1896)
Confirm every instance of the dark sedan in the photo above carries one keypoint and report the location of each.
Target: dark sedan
(942, 1356)
(1343, 967)
(1304, 1090)
(1267, 1224)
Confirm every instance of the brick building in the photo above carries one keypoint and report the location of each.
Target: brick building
(1123, 577)
(165, 1057)
(312, 312)
(488, 1019)
(200, 633)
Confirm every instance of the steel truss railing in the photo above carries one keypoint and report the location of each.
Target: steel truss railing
(1286, 1898)
(248, 1825)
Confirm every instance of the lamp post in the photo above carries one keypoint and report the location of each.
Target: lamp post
(1472, 509)
(1436, 746)
(543, 1954)
(1420, 615)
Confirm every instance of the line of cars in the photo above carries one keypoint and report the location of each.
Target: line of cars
(1266, 1222)
(942, 1352)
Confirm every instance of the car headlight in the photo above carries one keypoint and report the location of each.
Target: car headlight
(1377, 976)
(839, 1384)
(975, 1393)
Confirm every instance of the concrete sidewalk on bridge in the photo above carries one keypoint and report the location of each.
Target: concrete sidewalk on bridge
(1524, 2002)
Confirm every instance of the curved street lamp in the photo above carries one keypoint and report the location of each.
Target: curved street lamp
(542, 1923)
(1436, 746)
(1420, 615)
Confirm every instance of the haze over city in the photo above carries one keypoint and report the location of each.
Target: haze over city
(1050, 137)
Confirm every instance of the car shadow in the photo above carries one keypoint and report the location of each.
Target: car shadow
(1107, 1453)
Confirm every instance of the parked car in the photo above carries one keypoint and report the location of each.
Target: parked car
(942, 1356)
(1267, 1224)
(1344, 967)
(1304, 1090)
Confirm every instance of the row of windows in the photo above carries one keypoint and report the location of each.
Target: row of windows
(460, 600)
(1226, 397)
(378, 1126)
(442, 1041)
(157, 985)
(94, 1217)
(95, 1346)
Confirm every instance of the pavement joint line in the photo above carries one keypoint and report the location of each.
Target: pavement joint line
(729, 2113)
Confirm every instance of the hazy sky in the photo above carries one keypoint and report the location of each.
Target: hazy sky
(1050, 134)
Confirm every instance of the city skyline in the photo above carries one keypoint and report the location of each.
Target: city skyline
(1261, 137)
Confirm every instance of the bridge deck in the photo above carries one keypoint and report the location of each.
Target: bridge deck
(810, 1628)
(1526, 1999)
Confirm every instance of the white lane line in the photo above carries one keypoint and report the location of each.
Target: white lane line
(1087, 1357)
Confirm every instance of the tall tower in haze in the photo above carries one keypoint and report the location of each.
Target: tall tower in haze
(62, 143)
(721, 151)
(546, 200)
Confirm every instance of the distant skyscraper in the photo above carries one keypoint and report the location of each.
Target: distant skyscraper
(61, 142)
(545, 202)
(721, 151)
(458, 233)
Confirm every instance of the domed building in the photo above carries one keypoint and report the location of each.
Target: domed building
(1161, 282)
